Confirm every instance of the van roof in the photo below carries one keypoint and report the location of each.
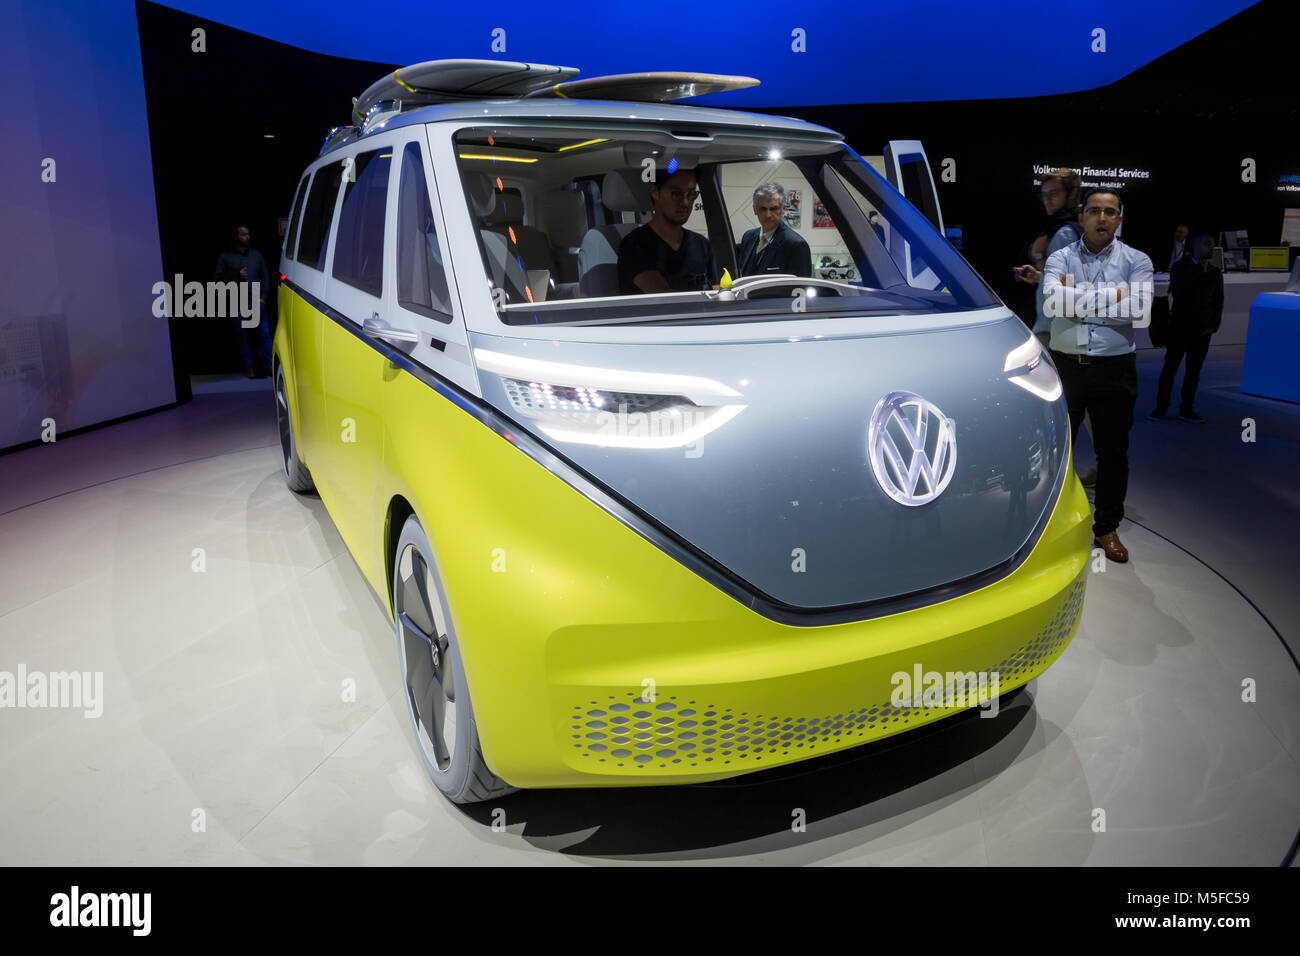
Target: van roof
(491, 111)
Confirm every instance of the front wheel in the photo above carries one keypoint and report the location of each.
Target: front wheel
(434, 689)
(296, 475)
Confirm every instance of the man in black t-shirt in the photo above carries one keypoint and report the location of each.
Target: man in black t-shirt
(661, 256)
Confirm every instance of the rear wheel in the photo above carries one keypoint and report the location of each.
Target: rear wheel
(296, 475)
(433, 683)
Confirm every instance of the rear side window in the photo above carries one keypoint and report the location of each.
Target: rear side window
(291, 234)
(316, 215)
(421, 277)
(359, 248)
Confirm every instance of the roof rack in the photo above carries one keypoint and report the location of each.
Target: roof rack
(337, 137)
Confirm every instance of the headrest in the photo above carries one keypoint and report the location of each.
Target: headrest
(482, 192)
(623, 191)
(509, 209)
(565, 216)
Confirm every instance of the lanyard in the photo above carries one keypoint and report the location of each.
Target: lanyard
(1102, 261)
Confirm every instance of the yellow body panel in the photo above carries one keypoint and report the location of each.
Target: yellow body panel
(352, 454)
(566, 617)
(302, 332)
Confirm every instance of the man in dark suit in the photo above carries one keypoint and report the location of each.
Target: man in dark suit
(773, 247)
(1196, 288)
(1180, 245)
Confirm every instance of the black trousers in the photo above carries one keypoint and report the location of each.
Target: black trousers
(1194, 347)
(1105, 388)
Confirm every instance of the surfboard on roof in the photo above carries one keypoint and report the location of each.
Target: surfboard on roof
(449, 81)
(444, 81)
(646, 87)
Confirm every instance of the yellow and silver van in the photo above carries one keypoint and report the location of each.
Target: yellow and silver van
(633, 536)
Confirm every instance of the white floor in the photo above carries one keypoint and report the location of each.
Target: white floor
(224, 704)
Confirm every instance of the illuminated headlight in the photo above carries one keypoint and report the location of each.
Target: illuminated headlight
(617, 408)
(1032, 373)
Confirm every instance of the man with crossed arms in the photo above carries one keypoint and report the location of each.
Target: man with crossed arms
(1094, 288)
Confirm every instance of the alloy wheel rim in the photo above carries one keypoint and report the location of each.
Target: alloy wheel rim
(428, 676)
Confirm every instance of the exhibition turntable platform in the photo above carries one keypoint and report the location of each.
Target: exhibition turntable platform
(255, 714)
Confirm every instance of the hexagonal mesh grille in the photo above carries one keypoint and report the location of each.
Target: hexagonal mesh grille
(676, 732)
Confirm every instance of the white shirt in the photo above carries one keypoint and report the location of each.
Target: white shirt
(1088, 316)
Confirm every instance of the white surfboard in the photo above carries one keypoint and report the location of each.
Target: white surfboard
(444, 81)
(646, 87)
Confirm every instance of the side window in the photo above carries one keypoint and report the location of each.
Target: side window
(421, 277)
(359, 248)
(317, 214)
(291, 234)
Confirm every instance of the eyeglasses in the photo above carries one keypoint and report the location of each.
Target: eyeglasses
(1110, 212)
(676, 195)
(1052, 195)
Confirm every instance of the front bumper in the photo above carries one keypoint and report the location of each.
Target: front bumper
(593, 658)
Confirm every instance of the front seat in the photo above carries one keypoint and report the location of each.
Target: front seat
(564, 214)
(623, 191)
(533, 246)
(504, 270)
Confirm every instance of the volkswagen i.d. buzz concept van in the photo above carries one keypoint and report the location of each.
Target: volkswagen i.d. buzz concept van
(632, 539)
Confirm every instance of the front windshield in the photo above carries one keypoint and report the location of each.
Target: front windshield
(584, 225)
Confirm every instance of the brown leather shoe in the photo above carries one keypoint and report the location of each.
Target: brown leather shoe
(1089, 478)
(1110, 544)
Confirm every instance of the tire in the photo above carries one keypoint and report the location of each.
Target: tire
(433, 685)
(296, 475)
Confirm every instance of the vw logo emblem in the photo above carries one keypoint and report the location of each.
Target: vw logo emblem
(912, 447)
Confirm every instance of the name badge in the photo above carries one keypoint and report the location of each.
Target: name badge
(1081, 335)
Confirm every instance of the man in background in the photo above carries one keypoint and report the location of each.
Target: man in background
(773, 247)
(242, 263)
(1060, 197)
(1180, 246)
(1196, 288)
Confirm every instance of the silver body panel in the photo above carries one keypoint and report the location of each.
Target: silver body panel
(790, 476)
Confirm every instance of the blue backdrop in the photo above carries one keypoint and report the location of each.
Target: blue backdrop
(864, 52)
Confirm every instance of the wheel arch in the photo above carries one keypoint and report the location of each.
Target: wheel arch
(282, 357)
(399, 509)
